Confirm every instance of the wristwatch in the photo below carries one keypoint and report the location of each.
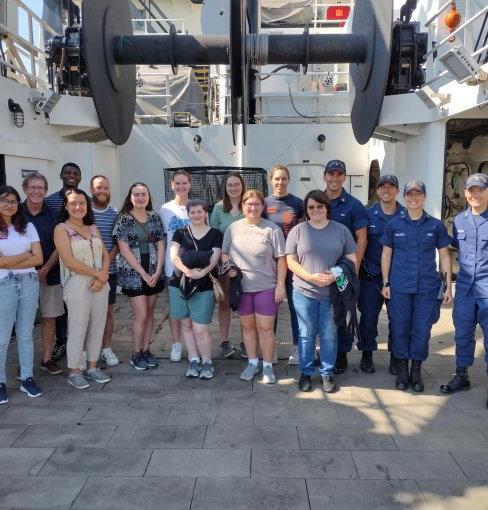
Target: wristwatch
(386, 284)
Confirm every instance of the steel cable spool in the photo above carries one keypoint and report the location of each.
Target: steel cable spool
(111, 53)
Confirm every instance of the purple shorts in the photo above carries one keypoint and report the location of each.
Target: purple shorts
(262, 303)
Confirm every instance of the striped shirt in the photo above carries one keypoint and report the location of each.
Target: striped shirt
(55, 201)
(105, 221)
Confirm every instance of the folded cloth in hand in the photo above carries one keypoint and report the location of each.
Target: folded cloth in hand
(196, 259)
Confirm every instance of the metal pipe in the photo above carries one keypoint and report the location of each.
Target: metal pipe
(156, 49)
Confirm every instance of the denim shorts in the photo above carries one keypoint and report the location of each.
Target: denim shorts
(199, 308)
(262, 303)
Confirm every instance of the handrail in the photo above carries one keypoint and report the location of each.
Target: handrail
(438, 13)
(461, 27)
(147, 8)
(32, 14)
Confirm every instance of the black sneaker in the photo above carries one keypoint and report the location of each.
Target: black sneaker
(460, 382)
(30, 387)
(3, 394)
(227, 349)
(151, 360)
(51, 367)
(366, 363)
(328, 384)
(59, 351)
(305, 383)
(242, 348)
(341, 363)
(138, 361)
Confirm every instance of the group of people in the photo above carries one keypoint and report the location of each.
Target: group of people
(69, 251)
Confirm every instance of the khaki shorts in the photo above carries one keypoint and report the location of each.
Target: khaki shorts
(51, 300)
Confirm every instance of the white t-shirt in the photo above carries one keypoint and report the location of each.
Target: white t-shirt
(173, 217)
(15, 244)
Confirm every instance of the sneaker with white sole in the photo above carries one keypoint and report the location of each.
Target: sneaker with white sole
(249, 372)
(294, 358)
(193, 369)
(30, 387)
(138, 361)
(95, 374)
(207, 371)
(3, 394)
(175, 354)
(109, 357)
(151, 360)
(78, 381)
(268, 375)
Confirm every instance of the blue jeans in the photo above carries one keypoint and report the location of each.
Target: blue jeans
(291, 307)
(315, 317)
(19, 297)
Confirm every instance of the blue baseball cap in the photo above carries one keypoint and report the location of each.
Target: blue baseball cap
(390, 179)
(480, 180)
(414, 184)
(335, 165)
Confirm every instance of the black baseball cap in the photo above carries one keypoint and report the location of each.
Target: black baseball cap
(480, 180)
(390, 179)
(335, 165)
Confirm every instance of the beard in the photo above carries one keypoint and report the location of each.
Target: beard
(101, 201)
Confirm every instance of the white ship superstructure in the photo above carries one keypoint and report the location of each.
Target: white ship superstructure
(302, 120)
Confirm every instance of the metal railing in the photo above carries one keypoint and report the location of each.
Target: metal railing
(154, 12)
(464, 34)
(146, 21)
(26, 57)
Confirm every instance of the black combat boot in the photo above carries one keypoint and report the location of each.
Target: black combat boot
(393, 365)
(366, 364)
(416, 377)
(402, 377)
(341, 363)
(459, 382)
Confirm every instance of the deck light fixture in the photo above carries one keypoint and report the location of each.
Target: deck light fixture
(461, 66)
(47, 102)
(321, 139)
(17, 113)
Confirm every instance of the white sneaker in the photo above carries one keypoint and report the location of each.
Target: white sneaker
(175, 354)
(294, 359)
(268, 375)
(109, 357)
(83, 363)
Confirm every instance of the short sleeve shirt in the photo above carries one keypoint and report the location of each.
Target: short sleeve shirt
(286, 211)
(14, 243)
(212, 239)
(221, 219)
(105, 220)
(414, 244)
(173, 217)
(255, 250)
(349, 211)
(318, 250)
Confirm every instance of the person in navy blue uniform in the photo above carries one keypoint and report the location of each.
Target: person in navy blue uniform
(370, 298)
(470, 233)
(350, 212)
(411, 282)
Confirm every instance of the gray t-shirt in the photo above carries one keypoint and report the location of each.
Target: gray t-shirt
(254, 249)
(318, 250)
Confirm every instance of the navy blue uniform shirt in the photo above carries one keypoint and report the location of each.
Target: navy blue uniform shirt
(471, 238)
(376, 229)
(349, 211)
(414, 243)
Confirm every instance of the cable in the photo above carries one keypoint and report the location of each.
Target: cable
(318, 116)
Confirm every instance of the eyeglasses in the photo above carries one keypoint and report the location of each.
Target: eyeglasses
(6, 202)
(316, 207)
(253, 206)
(36, 188)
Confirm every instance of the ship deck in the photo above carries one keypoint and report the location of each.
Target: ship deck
(157, 440)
